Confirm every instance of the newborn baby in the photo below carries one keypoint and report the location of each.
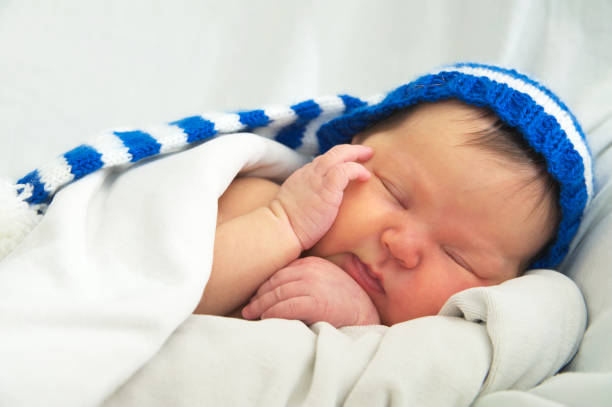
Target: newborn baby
(438, 198)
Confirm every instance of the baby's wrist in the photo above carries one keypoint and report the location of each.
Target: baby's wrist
(287, 233)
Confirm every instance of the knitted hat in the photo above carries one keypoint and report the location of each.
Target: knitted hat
(315, 125)
(538, 114)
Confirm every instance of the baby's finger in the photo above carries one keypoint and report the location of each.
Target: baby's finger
(281, 277)
(301, 308)
(260, 304)
(340, 154)
(339, 176)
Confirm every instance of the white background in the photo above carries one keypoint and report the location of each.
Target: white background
(70, 69)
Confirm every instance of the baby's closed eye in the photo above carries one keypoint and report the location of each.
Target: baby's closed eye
(394, 192)
(458, 259)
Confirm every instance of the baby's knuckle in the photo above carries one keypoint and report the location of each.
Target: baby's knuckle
(331, 154)
(321, 305)
(318, 163)
(315, 161)
(273, 280)
(338, 171)
(278, 293)
(335, 149)
(293, 307)
(312, 301)
(335, 178)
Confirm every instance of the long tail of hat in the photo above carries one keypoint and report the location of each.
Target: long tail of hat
(294, 126)
(23, 204)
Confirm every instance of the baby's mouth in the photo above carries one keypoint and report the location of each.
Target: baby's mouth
(364, 276)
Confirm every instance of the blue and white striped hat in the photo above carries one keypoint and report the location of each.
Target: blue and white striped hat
(315, 125)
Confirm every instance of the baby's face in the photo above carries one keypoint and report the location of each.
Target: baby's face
(435, 218)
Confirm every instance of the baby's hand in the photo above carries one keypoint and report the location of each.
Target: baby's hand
(313, 289)
(311, 196)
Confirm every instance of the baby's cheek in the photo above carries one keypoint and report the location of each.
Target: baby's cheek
(416, 303)
(453, 286)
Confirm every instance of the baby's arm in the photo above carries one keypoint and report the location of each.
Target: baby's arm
(246, 230)
(251, 247)
(313, 289)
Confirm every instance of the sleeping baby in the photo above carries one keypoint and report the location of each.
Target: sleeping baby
(431, 199)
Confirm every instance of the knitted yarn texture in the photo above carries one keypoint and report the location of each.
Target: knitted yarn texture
(314, 126)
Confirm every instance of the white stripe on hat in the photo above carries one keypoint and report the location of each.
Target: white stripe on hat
(55, 173)
(374, 99)
(170, 137)
(280, 115)
(113, 151)
(548, 104)
(225, 122)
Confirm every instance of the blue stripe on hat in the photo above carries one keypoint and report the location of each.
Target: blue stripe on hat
(254, 118)
(307, 110)
(139, 144)
(39, 195)
(351, 103)
(196, 128)
(83, 160)
(291, 135)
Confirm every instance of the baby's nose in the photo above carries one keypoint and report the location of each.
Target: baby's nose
(405, 247)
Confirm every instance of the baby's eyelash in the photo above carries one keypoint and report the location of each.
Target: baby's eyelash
(391, 190)
(459, 260)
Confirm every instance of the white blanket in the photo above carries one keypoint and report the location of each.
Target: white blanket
(105, 285)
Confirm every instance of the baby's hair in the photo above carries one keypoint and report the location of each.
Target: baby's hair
(507, 142)
(493, 135)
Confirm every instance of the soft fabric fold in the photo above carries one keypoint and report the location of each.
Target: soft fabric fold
(97, 296)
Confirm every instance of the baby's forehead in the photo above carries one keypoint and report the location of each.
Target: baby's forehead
(432, 118)
(454, 123)
(452, 113)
